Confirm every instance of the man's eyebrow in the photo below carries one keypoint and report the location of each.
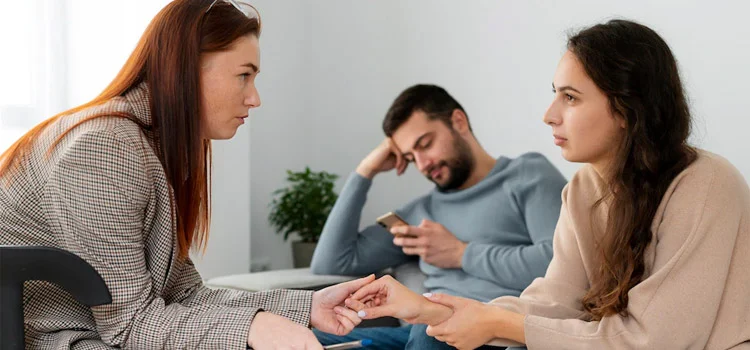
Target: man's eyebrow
(416, 143)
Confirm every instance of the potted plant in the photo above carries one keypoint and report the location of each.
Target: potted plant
(302, 207)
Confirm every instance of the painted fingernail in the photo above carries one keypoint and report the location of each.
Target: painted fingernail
(427, 295)
(361, 313)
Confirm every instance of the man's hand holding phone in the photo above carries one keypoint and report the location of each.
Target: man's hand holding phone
(390, 220)
(432, 242)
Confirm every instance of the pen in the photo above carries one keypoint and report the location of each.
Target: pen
(349, 345)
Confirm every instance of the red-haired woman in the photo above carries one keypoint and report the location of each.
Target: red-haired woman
(122, 182)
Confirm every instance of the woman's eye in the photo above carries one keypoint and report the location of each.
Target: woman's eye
(570, 97)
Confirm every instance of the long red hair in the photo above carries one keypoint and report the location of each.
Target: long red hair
(167, 58)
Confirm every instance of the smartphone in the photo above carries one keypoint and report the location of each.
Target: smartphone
(389, 220)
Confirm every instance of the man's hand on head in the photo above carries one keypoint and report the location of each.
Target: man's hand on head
(385, 157)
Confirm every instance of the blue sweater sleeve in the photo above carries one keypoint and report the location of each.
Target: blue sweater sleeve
(537, 192)
(342, 248)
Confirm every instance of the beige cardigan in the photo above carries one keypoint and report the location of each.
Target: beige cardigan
(696, 290)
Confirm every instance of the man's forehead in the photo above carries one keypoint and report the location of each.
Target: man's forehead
(410, 132)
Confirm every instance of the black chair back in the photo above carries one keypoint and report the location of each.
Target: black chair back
(25, 263)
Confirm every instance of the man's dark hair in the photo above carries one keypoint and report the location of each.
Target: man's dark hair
(433, 100)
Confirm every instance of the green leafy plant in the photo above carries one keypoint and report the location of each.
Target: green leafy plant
(303, 206)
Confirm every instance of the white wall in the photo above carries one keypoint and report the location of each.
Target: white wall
(349, 59)
(331, 68)
(279, 133)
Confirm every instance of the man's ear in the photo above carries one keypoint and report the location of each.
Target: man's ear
(459, 121)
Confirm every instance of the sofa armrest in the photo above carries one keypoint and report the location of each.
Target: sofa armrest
(301, 278)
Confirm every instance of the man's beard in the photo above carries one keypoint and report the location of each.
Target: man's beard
(459, 167)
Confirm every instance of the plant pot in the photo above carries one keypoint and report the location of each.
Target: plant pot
(302, 253)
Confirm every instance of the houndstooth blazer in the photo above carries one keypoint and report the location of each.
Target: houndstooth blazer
(103, 195)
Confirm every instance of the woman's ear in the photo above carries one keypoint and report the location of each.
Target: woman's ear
(622, 122)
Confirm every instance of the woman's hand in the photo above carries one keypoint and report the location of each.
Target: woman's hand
(328, 313)
(388, 297)
(473, 323)
(269, 332)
